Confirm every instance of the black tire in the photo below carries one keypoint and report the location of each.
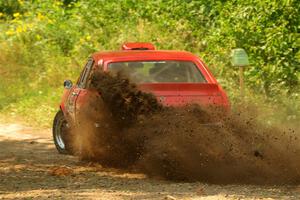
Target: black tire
(61, 134)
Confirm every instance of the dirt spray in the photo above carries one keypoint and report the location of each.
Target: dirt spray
(133, 130)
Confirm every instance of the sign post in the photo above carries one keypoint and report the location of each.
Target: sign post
(240, 59)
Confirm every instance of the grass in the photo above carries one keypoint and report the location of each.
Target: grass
(43, 43)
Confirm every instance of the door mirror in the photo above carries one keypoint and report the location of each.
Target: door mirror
(68, 84)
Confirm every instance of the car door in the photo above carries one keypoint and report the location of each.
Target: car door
(79, 91)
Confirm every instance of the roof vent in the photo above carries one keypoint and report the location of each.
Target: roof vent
(138, 46)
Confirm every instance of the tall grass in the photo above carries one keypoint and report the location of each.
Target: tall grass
(44, 42)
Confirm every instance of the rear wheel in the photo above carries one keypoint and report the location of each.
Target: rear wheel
(61, 134)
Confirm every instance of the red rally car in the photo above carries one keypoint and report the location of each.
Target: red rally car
(176, 78)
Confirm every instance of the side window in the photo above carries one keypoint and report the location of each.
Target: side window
(85, 74)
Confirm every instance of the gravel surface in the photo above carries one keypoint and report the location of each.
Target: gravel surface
(31, 168)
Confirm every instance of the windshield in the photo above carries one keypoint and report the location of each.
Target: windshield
(159, 71)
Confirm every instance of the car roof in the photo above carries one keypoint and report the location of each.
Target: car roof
(143, 55)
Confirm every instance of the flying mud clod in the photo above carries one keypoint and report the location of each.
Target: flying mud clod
(135, 131)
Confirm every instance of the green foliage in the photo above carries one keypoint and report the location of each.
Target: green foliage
(43, 42)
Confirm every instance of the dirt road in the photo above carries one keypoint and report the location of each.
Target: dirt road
(30, 168)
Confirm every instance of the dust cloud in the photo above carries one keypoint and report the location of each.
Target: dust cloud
(127, 128)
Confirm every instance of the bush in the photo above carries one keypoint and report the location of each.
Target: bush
(44, 42)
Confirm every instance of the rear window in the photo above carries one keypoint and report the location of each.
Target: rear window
(159, 71)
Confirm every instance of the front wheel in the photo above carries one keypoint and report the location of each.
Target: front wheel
(61, 134)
